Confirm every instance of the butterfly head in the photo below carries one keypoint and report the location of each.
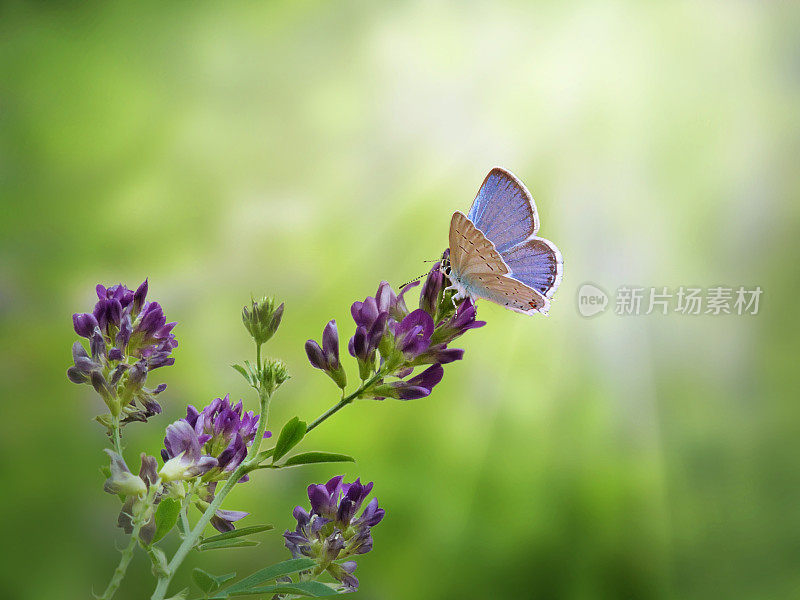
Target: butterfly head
(445, 266)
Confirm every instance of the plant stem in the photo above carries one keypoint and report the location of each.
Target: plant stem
(115, 435)
(122, 567)
(184, 514)
(192, 536)
(346, 400)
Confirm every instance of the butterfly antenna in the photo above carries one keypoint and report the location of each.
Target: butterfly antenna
(413, 280)
(421, 276)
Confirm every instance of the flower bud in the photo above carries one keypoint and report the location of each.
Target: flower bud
(75, 375)
(84, 324)
(273, 375)
(431, 293)
(138, 297)
(262, 318)
(315, 355)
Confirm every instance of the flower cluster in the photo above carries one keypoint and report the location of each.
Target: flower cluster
(128, 338)
(333, 530)
(210, 443)
(391, 341)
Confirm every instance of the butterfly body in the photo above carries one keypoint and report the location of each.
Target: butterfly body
(495, 253)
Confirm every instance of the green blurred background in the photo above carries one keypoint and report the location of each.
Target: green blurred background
(309, 150)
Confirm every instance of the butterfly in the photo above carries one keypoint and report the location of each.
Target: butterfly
(494, 251)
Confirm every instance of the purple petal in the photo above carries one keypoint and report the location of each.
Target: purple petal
(84, 324)
(315, 355)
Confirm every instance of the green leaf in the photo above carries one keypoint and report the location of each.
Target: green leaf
(208, 582)
(307, 458)
(280, 569)
(226, 544)
(237, 533)
(290, 436)
(205, 581)
(244, 373)
(315, 589)
(220, 579)
(269, 589)
(166, 516)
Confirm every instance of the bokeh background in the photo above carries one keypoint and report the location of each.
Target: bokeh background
(309, 150)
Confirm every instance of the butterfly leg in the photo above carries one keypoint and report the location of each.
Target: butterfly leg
(460, 294)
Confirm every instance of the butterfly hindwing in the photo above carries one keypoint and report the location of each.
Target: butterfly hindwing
(536, 263)
(504, 210)
(512, 294)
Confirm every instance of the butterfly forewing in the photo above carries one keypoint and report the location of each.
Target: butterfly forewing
(504, 210)
(470, 251)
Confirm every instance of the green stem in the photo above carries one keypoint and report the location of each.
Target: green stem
(346, 400)
(115, 435)
(192, 537)
(262, 424)
(185, 502)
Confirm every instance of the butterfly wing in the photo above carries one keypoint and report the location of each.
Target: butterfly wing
(504, 210)
(536, 263)
(478, 269)
(506, 214)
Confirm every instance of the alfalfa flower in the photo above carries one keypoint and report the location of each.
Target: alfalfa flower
(211, 442)
(326, 357)
(336, 528)
(390, 341)
(128, 338)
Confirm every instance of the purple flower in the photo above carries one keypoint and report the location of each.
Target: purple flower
(128, 337)
(210, 443)
(215, 440)
(385, 300)
(389, 341)
(84, 324)
(333, 529)
(326, 357)
(129, 324)
(430, 296)
(461, 322)
(418, 386)
(223, 520)
(183, 458)
(364, 344)
(413, 334)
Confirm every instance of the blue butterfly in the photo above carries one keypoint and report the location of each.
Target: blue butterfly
(494, 252)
